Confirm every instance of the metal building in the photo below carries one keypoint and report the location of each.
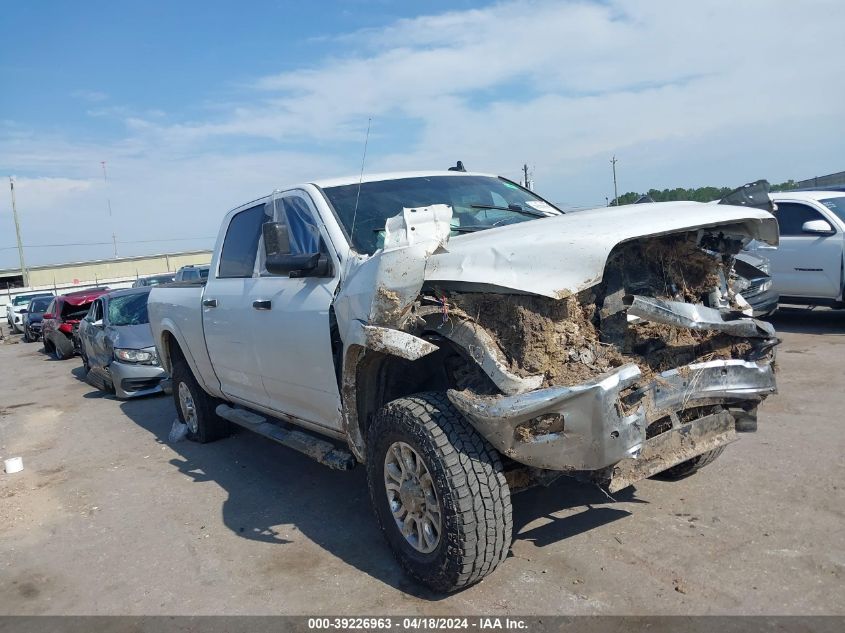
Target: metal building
(116, 273)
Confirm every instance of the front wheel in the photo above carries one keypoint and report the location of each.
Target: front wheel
(438, 491)
(195, 407)
(687, 468)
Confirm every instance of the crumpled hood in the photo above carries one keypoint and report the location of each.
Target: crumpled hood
(562, 255)
(131, 336)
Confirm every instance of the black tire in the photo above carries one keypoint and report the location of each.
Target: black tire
(27, 338)
(209, 426)
(62, 349)
(467, 475)
(48, 345)
(687, 468)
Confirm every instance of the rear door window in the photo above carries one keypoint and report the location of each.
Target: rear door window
(240, 247)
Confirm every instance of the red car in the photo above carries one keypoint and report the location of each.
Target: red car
(61, 321)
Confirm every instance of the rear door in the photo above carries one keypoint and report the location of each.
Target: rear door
(227, 311)
(805, 264)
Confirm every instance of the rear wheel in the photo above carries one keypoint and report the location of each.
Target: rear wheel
(687, 468)
(62, 349)
(195, 407)
(438, 491)
(27, 337)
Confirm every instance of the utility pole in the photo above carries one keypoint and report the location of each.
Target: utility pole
(108, 202)
(527, 181)
(24, 272)
(615, 192)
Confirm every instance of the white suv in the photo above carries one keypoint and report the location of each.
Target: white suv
(807, 266)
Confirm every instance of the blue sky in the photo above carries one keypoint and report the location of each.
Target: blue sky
(199, 106)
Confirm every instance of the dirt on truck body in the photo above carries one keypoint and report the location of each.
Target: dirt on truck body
(577, 338)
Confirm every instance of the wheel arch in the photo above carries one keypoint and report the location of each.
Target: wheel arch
(373, 378)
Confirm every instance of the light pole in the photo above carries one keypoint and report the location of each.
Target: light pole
(24, 272)
(615, 193)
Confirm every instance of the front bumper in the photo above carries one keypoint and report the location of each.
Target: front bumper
(763, 303)
(604, 421)
(131, 381)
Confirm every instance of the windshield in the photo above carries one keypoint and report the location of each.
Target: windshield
(478, 202)
(837, 205)
(129, 309)
(22, 300)
(40, 305)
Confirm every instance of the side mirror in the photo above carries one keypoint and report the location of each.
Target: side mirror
(818, 227)
(278, 259)
(276, 238)
(24, 311)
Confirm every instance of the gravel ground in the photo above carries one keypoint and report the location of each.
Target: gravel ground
(109, 518)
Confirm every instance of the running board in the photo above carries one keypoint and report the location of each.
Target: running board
(319, 450)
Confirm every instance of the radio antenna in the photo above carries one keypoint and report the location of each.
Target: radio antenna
(360, 179)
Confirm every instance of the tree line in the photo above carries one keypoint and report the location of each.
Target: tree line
(697, 194)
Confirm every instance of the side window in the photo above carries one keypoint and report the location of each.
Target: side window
(51, 309)
(237, 258)
(98, 309)
(792, 215)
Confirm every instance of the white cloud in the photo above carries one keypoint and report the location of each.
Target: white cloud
(92, 96)
(712, 92)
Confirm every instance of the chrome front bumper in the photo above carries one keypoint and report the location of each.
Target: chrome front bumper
(602, 425)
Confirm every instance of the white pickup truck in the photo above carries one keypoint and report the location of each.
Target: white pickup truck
(808, 266)
(463, 338)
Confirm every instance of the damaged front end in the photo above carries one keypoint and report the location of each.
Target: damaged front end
(629, 361)
(633, 384)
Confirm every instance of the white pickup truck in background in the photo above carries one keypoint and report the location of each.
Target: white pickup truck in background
(808, 265)
(463, 338)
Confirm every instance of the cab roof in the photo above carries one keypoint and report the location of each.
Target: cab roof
(395, 175)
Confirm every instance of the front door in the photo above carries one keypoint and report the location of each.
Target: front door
(94, 336)
(291, 325)
(805, 264)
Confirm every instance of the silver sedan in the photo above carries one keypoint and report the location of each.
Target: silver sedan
(117, 346)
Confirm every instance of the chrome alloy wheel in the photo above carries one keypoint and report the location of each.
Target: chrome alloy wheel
(189, 411)
(412, 498)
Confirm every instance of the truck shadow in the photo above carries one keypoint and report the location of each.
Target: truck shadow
(805, 321)
(275, 493)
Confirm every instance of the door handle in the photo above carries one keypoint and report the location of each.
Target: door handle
(262, 304)
(209, 303)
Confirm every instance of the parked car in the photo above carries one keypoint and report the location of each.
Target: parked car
(192, 273)
(15, 310)
(116, 345)
(61, 321)
(463, 338)
(154, 280)
(32, 318)
(806, 266)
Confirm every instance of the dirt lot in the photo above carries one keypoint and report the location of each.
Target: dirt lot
(109, 518)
